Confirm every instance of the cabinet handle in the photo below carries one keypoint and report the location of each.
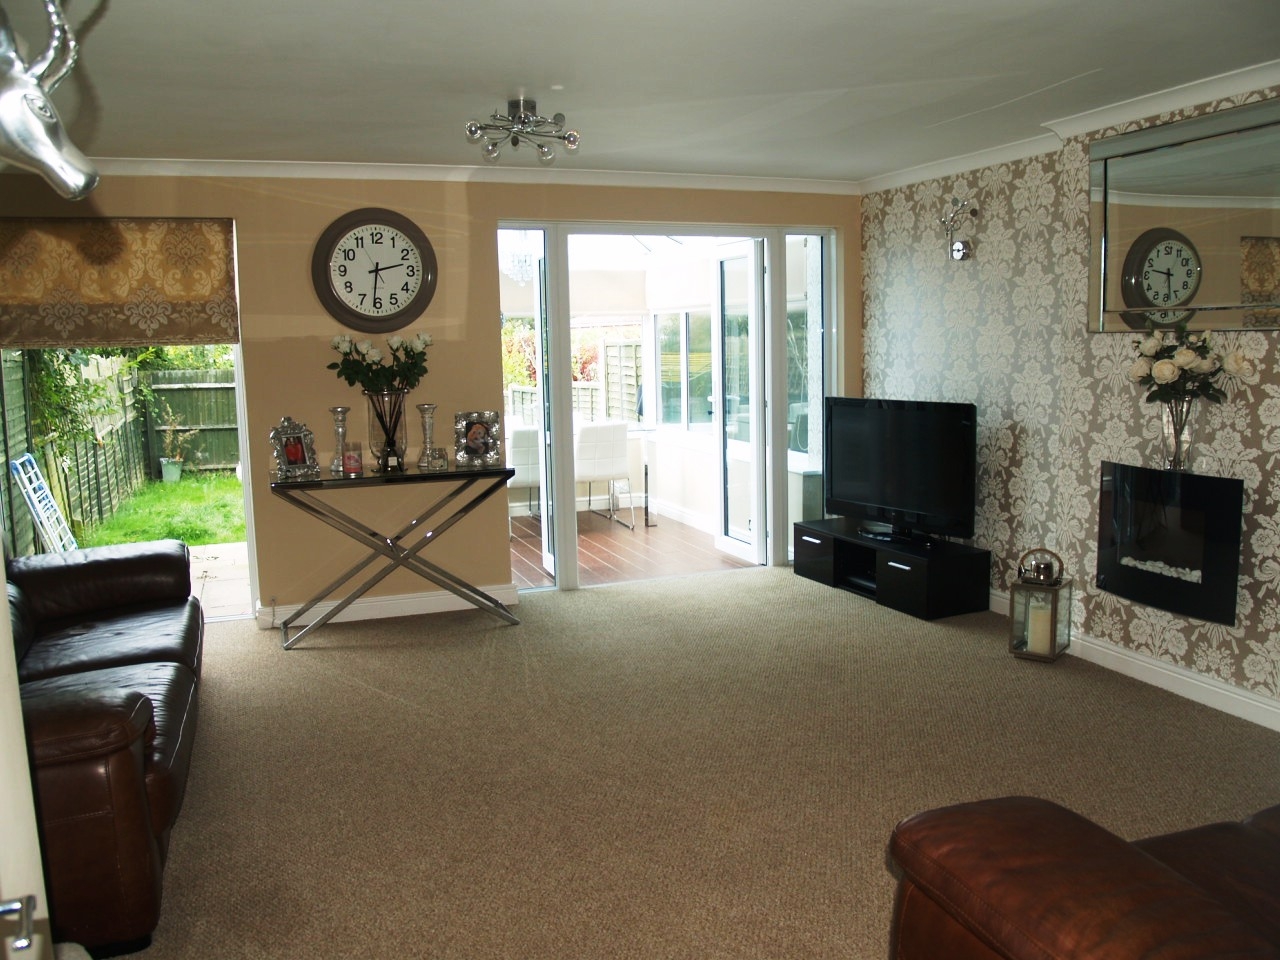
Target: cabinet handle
(899, 566)
(809, 539)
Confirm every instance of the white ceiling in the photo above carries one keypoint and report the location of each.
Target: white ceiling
(807, 90)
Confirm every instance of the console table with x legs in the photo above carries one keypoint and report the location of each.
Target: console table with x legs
(467, 489)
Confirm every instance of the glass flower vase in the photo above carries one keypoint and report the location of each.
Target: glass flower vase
(388, 431)
(1177, 433)
(427, 411)
(336, 465)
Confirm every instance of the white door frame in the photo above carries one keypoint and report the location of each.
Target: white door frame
(21, 872)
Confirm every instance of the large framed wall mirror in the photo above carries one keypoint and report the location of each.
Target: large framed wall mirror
(1185, 224)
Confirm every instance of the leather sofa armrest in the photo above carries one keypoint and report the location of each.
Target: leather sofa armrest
(84, 582)
(1032, 879)
(70, 728)
(103, 860)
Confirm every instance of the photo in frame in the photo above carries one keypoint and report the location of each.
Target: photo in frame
(478, 444)
(295, 453)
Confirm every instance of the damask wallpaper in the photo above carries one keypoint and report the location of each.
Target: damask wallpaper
(1008, 331)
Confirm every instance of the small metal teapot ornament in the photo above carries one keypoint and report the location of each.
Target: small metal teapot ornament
(1040, 565)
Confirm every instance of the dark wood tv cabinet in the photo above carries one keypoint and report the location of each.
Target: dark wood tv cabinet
(925, 578)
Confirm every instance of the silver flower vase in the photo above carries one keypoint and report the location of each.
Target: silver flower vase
(387, 430)
(1177, 433)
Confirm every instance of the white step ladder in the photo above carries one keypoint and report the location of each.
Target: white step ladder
(53, 529)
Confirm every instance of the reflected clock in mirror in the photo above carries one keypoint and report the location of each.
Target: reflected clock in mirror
(1162, 270)
(1209, 185)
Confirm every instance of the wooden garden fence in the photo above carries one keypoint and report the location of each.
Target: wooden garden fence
(91, 479)
(200, 400)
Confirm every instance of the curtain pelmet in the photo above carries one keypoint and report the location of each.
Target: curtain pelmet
(117, 281)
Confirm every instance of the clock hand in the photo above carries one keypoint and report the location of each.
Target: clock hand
(377, 274)
(1168, 279)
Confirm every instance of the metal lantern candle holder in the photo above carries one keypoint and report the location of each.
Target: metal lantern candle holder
(1040, 607)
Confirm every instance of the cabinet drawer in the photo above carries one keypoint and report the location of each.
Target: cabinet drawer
(902, 582)
(815, 555)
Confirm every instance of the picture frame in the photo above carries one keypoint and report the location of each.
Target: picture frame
(293, 446)
(478, 439)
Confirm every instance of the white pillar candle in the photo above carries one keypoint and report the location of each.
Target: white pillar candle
(1039, 631)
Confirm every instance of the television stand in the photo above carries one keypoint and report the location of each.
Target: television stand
(883, 536)
(925, 578)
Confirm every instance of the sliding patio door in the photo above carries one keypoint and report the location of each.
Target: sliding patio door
(709, 345)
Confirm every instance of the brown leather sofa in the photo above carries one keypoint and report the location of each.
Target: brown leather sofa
(108, 643)
(1019, 878)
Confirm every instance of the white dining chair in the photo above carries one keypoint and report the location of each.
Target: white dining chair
(600, 455)
(522, 456)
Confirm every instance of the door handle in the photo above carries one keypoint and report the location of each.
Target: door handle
(899, 566)
(25, 908)
(807, 539)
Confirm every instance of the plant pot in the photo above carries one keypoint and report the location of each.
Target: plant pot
(170, 470)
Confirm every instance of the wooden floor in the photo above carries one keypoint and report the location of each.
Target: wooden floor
(610, 553)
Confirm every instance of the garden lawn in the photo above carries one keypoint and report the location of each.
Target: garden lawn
(201, 508)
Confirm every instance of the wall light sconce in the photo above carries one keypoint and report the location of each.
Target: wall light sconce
(952, 222)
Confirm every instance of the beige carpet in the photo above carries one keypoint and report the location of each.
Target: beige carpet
(701, 767)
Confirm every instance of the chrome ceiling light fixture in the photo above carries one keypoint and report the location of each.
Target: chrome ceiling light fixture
(521, 124)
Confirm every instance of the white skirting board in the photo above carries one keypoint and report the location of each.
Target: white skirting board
(1226, 697)
(377, 608)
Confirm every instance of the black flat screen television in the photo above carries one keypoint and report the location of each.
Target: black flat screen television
(904, 468)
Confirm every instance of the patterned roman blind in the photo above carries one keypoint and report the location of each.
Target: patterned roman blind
(108, 281)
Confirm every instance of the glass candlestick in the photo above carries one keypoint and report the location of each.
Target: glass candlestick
(339, 439)
(428, 414)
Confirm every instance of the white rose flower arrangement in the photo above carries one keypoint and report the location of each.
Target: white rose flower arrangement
(364, 364)
(1175, 364)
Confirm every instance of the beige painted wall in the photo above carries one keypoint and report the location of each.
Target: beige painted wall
(285, 333)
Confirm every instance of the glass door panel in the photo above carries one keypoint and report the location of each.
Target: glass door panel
(521, 264)
(805, 364)
(701, 382)
(741, 426)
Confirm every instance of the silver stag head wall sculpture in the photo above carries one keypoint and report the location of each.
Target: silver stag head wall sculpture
(31, 135)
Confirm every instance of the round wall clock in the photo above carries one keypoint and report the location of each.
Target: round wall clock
(374, 270)
(1161, 270)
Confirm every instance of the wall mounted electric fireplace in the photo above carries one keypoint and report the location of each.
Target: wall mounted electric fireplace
(1170, 540)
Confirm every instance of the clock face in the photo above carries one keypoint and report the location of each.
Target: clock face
(374, 270)
(1162, 270)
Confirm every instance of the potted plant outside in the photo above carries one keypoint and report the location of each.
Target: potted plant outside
(177, 440)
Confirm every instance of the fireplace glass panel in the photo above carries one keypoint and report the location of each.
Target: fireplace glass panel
(1170, 540)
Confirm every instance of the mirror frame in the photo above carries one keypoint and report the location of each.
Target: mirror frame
(1168, 136)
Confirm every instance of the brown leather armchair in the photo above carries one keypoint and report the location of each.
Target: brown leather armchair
(108, 642)
(1021, 878)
